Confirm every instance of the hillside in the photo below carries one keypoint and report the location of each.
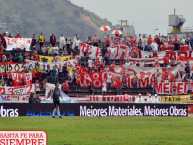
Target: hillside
(50, 16)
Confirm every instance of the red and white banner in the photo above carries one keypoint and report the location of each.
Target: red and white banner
(15, 67)
(19, 97)
(43, 65)
(17, 78)
(27, 89)
(94, 52)
(146, 75)
(166, 88)
(18, 43)
(161, 54)
(111, 98)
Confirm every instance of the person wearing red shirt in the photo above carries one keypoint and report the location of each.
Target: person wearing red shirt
(170, 41)
(149, 41)
(172, 58)
(166, 74)
(102, 66)
(65, 87)
(78, 82)
(107, 41)
(33, 75)
(53, 40)
(17, 36)
(23, 79)
(97, 62)
(122, 59)
(132, 42)
(162, 47)
(119, 86)
(134, 51)
(165, 60)
(72, 56)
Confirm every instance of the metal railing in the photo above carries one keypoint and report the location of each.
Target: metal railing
(183, 30)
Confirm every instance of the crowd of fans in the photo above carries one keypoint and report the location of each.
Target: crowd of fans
(71, 77)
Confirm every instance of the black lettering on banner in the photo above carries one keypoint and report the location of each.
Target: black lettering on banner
(8, 67)
(19, 91)
(173, 98)
(166, 98)
(178, 99)
(3, 67)
(169, 98)
(16, 68)
(23, 66)
(191, 97)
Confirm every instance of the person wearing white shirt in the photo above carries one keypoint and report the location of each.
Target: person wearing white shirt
(150, 99)
(139, 99)
(89, 65)
(74, 41)
(56, 49)
(58, 58)
(183, 41)
(144, 42)
(104, 88)
(156, 99)
(77, 44)
(62, 42)
(109, 76)
(138, 38)
(112, 50)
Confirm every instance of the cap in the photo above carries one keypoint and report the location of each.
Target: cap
(44, 79)
(33, 46)
(156, 95)
(37, 81)
(54, 57)
(32, 92)
(139, 94)
(149, 94)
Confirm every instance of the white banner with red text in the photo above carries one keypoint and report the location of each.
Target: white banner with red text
(166, 88)
(21, 98)
(27, 89)
(17, 78)
(146, 75)
(18, 43)
(94, 52)
(112, 98)
(161, 54)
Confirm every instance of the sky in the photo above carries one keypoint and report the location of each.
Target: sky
(145, 15)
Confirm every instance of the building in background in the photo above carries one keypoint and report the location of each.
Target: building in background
(177, 21)
(125, 28)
